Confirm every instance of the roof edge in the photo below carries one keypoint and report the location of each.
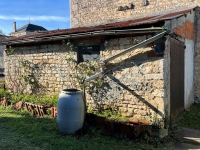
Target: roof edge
(112, 26)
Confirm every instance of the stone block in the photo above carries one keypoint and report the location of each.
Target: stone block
(112, 42)
(163, 133)
(159, 84)
(128, 114)
(122, 109)
(125, 102)
(140, 38)
(134, 70)
(105, 107)
(142, 113)
(158, 93)
(154, 76)
(130, 106)
(44, 50)
(132, 103)
(57, 75)
(130, 110)
(124, 41)
(44, 57)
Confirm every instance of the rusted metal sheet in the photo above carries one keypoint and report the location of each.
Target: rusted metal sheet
(117, 25)
(177, 49)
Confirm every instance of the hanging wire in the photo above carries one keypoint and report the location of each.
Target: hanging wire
(6, 28)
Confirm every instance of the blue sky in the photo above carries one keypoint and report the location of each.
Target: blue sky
(51, 14)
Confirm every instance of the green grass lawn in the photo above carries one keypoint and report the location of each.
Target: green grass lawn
(191, 118)
(19, 130)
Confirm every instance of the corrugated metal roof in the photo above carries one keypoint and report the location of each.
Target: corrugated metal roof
(3, 37)
(116, 25)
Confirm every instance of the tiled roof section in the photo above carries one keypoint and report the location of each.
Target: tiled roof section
(31, 28)
(116, 25)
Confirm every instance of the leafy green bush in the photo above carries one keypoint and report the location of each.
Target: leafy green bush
(4, 93)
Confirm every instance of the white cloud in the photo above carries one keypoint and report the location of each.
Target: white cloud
(35, 18)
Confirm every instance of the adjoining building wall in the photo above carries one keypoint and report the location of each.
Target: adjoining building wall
(133, 83)
(189, 73)
(17, 34)
(96, 12)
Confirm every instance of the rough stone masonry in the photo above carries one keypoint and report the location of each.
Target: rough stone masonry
(133, 83)
(98, 12)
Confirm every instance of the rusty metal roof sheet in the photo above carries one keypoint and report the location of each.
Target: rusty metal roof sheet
(116, 25)
(3, 37)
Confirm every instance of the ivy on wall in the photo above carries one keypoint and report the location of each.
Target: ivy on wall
(83, 70)
(23, 76)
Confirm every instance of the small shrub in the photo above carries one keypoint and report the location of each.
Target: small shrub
(4, 93)
(16, 97)
(35, 99)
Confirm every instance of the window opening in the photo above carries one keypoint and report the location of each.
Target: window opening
(88, 53)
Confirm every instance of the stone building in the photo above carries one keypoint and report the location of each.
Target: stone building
(156, 80)
(2, 37)
(90, 13)
(27, 29)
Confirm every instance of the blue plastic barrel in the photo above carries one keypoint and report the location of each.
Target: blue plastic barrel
(70, 111)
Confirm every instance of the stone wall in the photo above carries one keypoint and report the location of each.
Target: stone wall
(46, 63)
(133, 83)
(17, 34)
(95, 12)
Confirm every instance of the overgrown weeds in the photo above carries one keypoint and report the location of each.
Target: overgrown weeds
(110, 115)
(32, 98)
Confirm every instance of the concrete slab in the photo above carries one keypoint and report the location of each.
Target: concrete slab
(190, 134)
(190, 137)
(182, 146)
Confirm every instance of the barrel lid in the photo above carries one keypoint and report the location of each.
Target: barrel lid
(71, 91)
